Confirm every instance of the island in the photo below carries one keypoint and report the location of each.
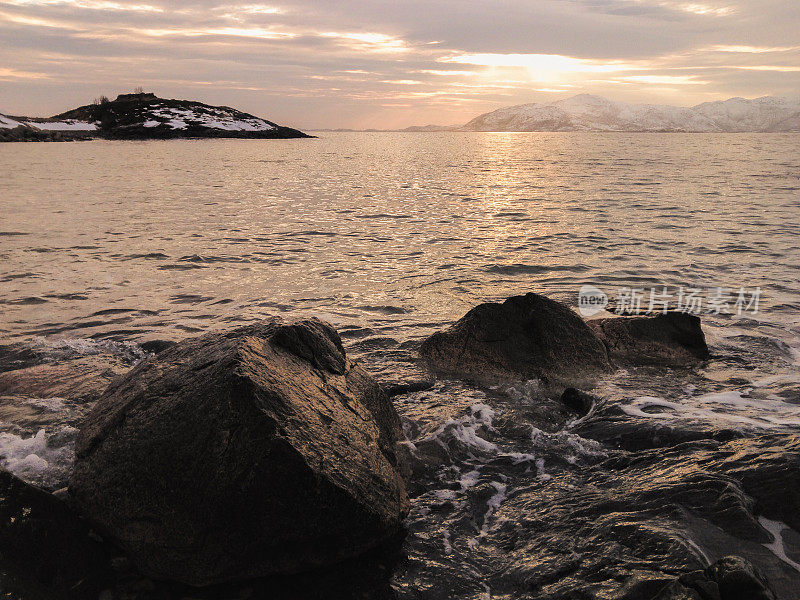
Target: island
(143, 116)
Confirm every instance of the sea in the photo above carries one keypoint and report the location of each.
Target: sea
(105, 245)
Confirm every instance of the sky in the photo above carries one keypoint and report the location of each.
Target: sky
(390, 64)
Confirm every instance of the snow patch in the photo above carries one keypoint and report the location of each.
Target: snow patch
(63, 126)
(6, 123)
(212, 118)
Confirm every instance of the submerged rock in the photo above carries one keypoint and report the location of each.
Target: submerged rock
(626, 526)
(233, 455)
(577, 401)
(525, 337)
(674, 338)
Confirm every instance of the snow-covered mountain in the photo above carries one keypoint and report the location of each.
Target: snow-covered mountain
(587, 112)
(144, 116)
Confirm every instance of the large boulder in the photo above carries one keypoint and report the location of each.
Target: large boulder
(525, 337)
(257, 451)
(673, 338)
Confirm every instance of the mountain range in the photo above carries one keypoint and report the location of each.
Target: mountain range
(587, 112)
(143, 116)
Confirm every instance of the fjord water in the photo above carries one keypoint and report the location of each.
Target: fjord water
(391, 236)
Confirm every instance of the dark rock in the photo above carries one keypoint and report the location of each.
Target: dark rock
(156, 346)
(233, 455)
(638, 516)
(525, 337)
(407, 387)
(674, 338)
(737, 579)
(315, 342)
(729, 578)
(578, 401)
(46, 548)
(769, 470)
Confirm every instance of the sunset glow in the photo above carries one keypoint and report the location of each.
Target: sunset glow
(307, 64)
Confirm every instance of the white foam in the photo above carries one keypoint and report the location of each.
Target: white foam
(492, 505)
(38, 461)
(53, 404)
(445, 494)
(525, 391)
(465, 429)
(540, 471)
(519, 457)
(777, 547)
(734, 407)
(568, 445)
(637, 406)
(469, 479)
(59, 347)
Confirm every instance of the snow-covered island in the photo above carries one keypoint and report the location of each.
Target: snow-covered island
(586, 112)
(143, 116)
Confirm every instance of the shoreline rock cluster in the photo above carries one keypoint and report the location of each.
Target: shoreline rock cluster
(534, 337)
(264, 451)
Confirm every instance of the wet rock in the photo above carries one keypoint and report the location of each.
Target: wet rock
(737, 579)
(729, 578)
(674, 338)
(577, 401)
(46, 549)
(156, 346)
(616, 528)
(233, 455)
(768, 468)
(525, 337)
(396, 388)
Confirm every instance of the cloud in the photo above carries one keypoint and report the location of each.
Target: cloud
(665, 79)
(541, 66)
(380, 63)
(11, 74)
(752, 49)
(371, 42)
(86, 4)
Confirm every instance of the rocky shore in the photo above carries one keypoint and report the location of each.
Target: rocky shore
(263, 462)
